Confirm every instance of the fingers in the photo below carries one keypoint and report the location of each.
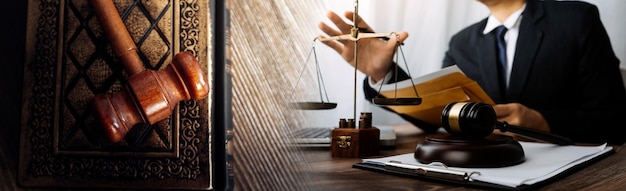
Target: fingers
(399, 36)
(507, 112)
(361, 25)
(403, 35)
(334, 45)
(331, 32)
(328, 30)
(498, 132)
(503, 110)
(339, 22)
(344, 27)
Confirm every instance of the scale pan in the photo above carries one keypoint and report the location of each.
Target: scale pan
(313, 105)
(397, 101)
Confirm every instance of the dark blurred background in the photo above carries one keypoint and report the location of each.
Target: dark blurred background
(13, 29)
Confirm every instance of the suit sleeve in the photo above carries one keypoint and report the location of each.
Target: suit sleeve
(603, 99)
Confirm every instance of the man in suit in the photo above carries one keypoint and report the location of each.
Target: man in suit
(558, 72)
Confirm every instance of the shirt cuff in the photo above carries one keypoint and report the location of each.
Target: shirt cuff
(377, 84)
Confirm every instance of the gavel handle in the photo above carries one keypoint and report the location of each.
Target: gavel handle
(115, 30)
(150, 95)
(534, 134)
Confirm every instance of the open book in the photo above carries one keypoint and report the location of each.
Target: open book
(436, 89)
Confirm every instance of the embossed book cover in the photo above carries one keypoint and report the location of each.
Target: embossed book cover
(69, 61)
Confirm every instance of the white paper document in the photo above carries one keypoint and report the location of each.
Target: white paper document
(542, 162)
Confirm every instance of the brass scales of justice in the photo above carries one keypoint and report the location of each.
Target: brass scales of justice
(348, 140)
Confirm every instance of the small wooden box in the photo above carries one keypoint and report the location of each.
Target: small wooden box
(353, 142)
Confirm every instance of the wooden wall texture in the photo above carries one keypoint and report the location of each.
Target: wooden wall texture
(268, 45)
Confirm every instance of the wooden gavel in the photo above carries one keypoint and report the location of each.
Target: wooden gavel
(149, 96)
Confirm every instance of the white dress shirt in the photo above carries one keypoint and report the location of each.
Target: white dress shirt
(512, 24)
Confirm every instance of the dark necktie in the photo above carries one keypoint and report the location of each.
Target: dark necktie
(500, 31)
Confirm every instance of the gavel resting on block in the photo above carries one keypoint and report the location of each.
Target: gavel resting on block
(149, 96)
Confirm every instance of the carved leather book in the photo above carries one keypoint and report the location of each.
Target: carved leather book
(69, 61)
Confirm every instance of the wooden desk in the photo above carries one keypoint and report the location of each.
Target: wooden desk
(328, 173)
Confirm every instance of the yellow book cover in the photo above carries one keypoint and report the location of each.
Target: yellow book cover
(436, 89)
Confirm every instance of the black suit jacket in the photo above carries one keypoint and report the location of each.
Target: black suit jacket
(564, 67)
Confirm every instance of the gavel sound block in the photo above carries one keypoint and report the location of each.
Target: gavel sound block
(149, 96)
(470, 143)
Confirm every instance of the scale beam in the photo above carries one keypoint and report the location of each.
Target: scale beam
(359, 36)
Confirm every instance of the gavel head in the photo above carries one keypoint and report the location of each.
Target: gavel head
(150, 96)
(469, 119)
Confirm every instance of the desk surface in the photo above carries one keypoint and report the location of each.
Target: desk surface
(328, 173)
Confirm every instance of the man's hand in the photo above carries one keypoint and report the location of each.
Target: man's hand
(520, 115)
(375, 56)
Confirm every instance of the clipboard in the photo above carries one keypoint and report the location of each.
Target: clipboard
(438, 179)
(454, 176)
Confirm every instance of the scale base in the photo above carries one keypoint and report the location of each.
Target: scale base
(355, 143)
(490, 152)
